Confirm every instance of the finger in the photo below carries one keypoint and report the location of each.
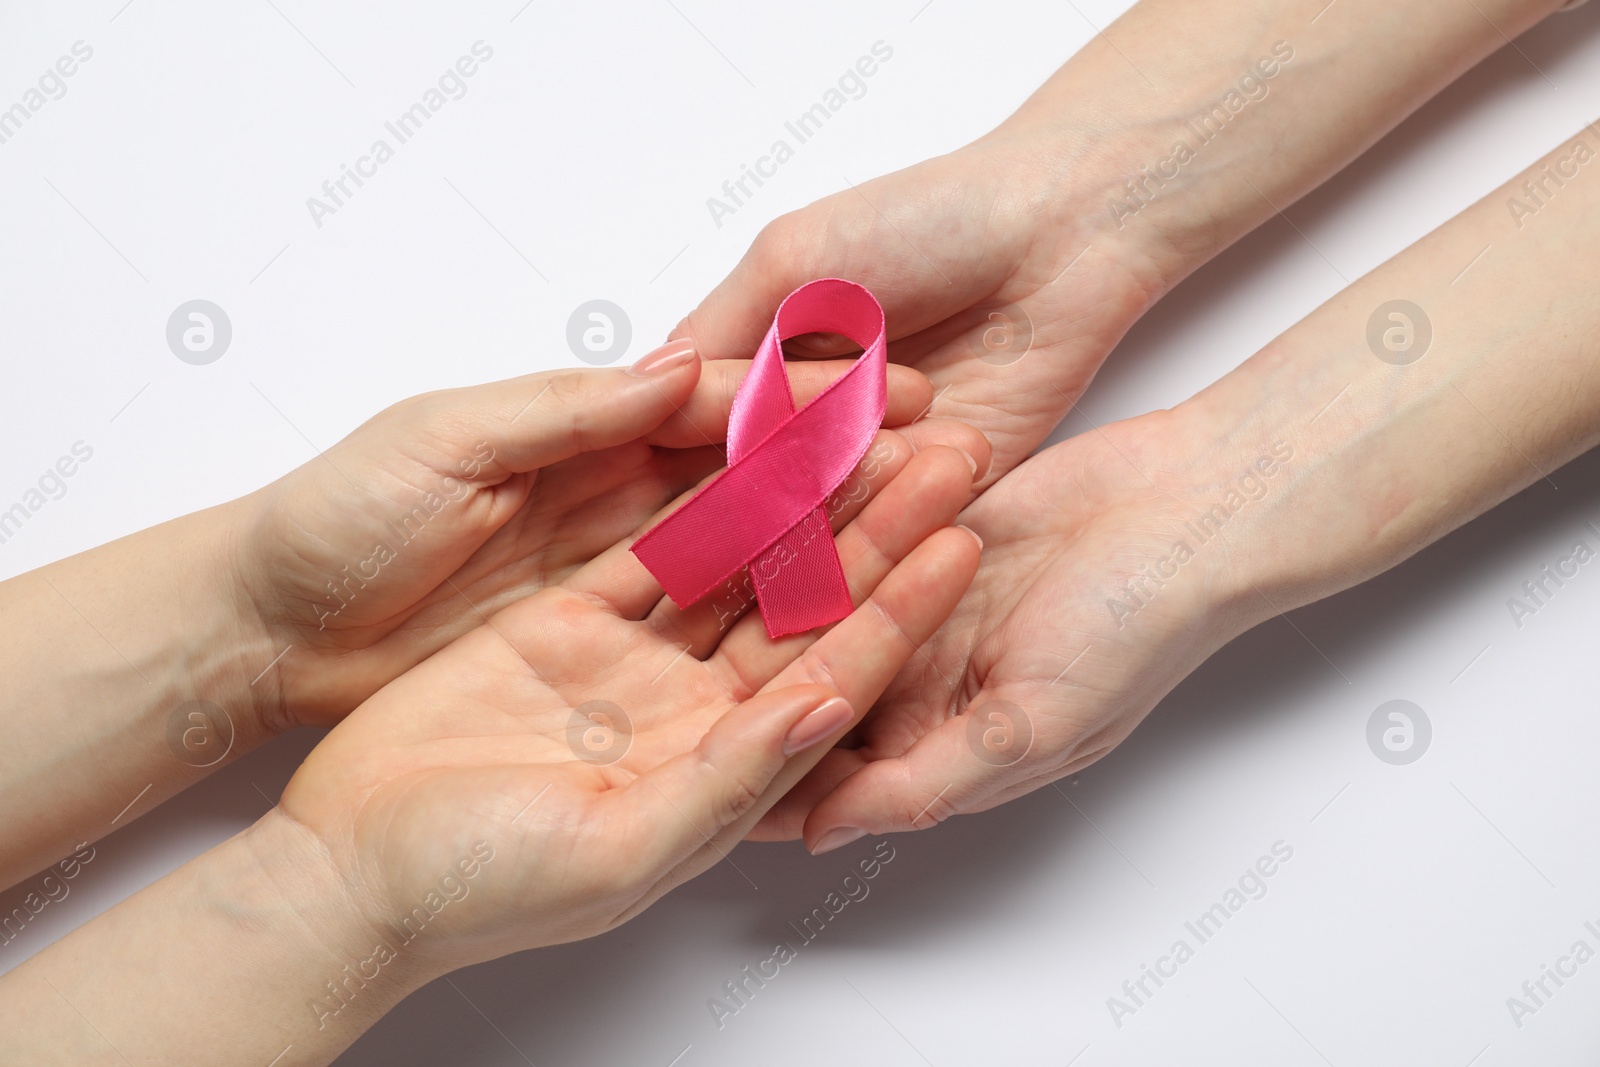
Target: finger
(850, 235)
(786, 820)
(703, 418)
(683, 806)
(930, 433)
(618, 580)
(903, 348)
(820, 346)
(952, 768)
(952, 433)
(862, 654)
(888, 730)
(734, 317)
(704, 623)
(927, 496)
(490, 432)
(597, 499)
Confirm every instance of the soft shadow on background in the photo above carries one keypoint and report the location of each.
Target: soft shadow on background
(558, 996)
(554, 1001)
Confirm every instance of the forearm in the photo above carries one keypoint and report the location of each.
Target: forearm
(106, 658)
(1397, 440)
(255, 952)
(1187, 123)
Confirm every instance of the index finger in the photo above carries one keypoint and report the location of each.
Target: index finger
(703, 418)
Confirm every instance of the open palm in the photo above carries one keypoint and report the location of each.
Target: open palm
(1064, 642)
(448, 506)
(599, 750)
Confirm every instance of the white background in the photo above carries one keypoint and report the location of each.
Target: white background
(1418, 897)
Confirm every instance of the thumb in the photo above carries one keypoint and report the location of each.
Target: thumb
(724, 785)
(526, 423)
(853, 234)
(732, 320)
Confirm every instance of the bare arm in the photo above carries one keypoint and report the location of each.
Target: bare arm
(1118, 561)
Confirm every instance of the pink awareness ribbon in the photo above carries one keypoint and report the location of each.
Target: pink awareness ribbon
(767, 511)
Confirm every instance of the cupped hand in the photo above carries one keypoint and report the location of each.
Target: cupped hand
(550, 773)
(1002, 281)
(448, 506)
(1114, 564)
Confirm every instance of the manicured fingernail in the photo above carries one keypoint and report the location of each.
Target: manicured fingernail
(974, 534)
(825, 720)
(838, 837)
(669, 356)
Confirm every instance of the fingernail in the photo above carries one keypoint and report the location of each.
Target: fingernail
(825, 720)
(974, 534)
(838, 837)
(669, 356)
(970, 462)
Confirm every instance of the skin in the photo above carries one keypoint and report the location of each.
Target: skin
(469, 789)
(1085, 613)
(1034, 221)
(530, 478)
(1052, 229)
(475, 743)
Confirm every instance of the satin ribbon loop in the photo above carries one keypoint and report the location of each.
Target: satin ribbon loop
(767, 511)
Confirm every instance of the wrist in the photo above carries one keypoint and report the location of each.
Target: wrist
(340, 969)
(1292, 443)
(259, 937)
(1142, 175)
(238, 563)
(1405, 418)
(1192, 495)
(128, 671)
(1187, 123)
(1067, 164)
(1244, 477)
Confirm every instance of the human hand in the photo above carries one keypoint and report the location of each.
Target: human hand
(446, 507)
(1098, 162)
(998, 270)
(1011, 267)
(481, 759)
(1083, 616)
(1118, 561)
